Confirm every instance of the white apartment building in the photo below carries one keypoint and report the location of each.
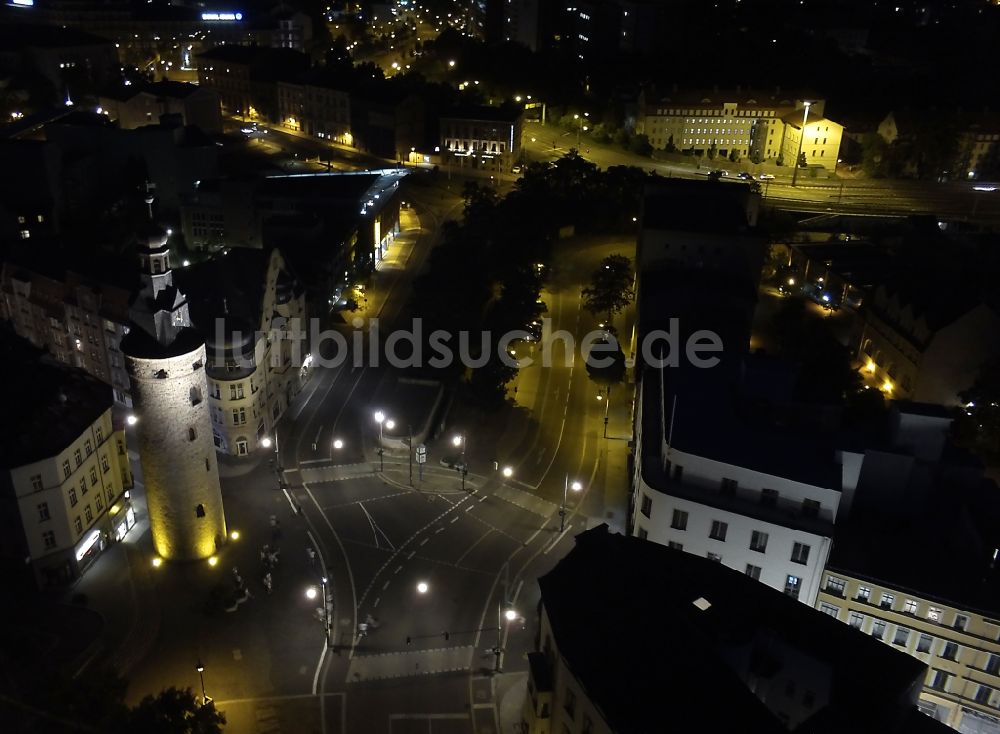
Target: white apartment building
(733, 492)
(65, 473)
(254, 372)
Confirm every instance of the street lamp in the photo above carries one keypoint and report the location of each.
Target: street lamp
(201, 675)
(338, 444)
(460, 440)
(380, 419)
(266, 442)
(326, 611)
(422, 587)
(805, 119)
(131, 420)
(508, 472)
(576, 487)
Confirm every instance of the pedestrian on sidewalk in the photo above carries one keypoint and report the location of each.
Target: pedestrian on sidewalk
(311, 553)
(267, 581)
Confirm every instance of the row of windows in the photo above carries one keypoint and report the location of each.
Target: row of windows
(837, 586)
(715, 113)
(719, 531)
(727, 487)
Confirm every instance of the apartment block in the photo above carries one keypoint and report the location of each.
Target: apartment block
(65, 471)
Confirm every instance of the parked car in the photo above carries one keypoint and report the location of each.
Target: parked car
(766, 177)
(453, 462)
(744, 176)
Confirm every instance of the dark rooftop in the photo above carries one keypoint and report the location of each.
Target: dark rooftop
(702, 206)
(51, 405)
(482, 112)
(888, 541)
(28, 35)
(624, 619)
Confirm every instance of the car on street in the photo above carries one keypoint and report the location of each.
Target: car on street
(453, 462)
(743, 175)
(766, 177)
(516, 169)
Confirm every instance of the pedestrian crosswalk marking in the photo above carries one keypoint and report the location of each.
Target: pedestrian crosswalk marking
(525, 500)
(410, 663)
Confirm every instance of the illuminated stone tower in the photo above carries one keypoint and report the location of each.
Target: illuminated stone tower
(165, 359)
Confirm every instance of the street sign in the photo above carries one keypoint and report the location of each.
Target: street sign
(421, 454)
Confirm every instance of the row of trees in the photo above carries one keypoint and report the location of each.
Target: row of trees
(607, 133)
(483, 276)
(96, 703)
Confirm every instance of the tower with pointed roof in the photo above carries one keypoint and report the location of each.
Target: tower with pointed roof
(165, 359)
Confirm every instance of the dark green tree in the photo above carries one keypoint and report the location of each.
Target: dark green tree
(174, 711)
(978, 426)
(610, 288)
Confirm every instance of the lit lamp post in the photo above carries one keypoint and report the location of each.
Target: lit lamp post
(311, 594)
(460, 441)
(205, 700)
(580, 128)
(802, 135)
(510, 614)
(576, 487)
(266, 443)
(380, 419)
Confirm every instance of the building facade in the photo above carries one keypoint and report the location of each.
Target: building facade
(908, 350)
(316, 110)
(773, 525)
(77, 319)
(255, 368)
(740, 125)
(135, 106)
(486, 138)
(66, 474)
(166, 360)
(959, 646)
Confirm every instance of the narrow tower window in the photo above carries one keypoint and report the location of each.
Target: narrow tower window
(200, 511)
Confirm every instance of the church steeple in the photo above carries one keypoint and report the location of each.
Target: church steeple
(159, 307)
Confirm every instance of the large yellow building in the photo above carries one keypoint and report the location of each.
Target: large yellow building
(741, 125)
(959, 645)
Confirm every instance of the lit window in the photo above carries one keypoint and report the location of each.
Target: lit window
(856, 620)
(909, 607)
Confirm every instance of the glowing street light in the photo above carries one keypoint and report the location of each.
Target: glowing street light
(508, 472)
(380, 419)
(213, 561)
(422, 587)
(802, 135)
(567, 485)
(311, 593)
(205, 700)
(460, 440)
(131, 420)
(157, 562)
(338, 444)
